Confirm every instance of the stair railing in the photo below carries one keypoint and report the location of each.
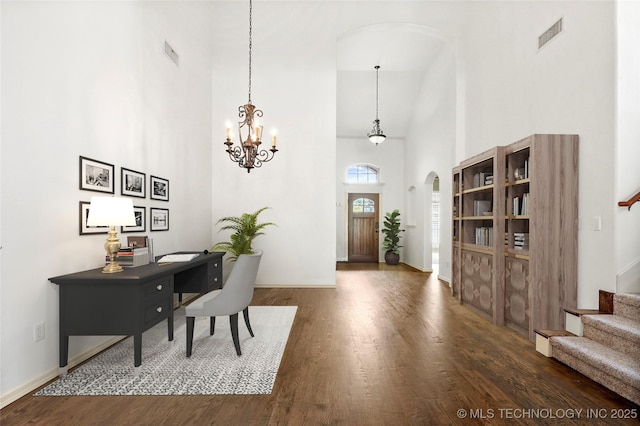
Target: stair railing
(631, 201)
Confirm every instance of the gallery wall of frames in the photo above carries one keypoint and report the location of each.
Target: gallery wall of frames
(98, 176)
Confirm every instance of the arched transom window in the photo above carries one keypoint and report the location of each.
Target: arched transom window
(362, 173)
(363, 205)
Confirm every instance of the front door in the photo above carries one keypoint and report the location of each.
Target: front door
(363, 228)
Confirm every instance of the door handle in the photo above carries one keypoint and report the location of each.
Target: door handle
(377, 226)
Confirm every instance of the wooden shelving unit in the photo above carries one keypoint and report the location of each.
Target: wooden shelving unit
(526, 273)
(481, 256)
(455, 255)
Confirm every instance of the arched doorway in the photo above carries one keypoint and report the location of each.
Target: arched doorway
(432, 222)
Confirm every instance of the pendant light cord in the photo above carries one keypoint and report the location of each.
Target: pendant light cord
(377, 68)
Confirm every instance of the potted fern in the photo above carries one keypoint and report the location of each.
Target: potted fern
(246, 229)
(391, 241)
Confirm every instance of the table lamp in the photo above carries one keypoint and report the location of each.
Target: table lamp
(112, 212)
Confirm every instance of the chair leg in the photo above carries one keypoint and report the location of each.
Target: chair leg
(245, 312)
(190, 324)
(212, 325)
(233, 321)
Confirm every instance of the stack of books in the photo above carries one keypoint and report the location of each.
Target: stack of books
(129, 257)
(484, 236)
(482, 179)
(521, 241)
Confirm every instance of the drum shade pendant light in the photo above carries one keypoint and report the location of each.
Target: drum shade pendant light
(376, 135)
(248, 153)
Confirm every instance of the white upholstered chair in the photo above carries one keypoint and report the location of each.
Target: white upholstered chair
(234, 297)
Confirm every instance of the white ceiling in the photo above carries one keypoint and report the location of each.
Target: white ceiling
(404, 53)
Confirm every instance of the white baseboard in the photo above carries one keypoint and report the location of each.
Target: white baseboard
(32, 385)
(295, 286)
(445, 279)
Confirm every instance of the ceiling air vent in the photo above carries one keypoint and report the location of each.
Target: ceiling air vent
(550, 34)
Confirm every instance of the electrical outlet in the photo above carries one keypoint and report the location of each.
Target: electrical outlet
(38, 332)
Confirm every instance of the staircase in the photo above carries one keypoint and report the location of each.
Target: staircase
(609, 349)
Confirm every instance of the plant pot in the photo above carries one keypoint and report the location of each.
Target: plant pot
(391, 258)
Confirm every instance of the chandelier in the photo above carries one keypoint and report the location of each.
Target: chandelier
(376, 135)
(248, 154)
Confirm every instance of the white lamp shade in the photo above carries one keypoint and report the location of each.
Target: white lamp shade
(377, 138)
(111, 211)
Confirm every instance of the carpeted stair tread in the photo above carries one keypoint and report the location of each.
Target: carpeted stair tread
(627, 305)
(628, 298)
(619, 326)
(609, 361)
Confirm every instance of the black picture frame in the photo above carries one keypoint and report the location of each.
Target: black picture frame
(133, 183)
(84, 215)
(158, 219)
(159, 188)
(96, 175)
(140, 213)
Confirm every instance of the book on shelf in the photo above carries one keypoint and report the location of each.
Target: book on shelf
(130, 259)
(132, 250)
(520, 205)
(480, 207)
(484, 236)
(488, 179)
(521, 241)
(482, 179)
(141, 241)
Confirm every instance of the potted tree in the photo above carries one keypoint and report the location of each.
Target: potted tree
(391, 241)
(246, 229)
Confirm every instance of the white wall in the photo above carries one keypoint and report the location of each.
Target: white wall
(513, 91)
(294, 86)
(627, 153)
(431, 150)
(91, 79)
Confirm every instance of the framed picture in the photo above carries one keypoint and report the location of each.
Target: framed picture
(96, 175)
(159, 188)
(141, 219)
(84, 215)
(133, 183)
(159, 219)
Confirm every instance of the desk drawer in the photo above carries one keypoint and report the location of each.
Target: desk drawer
(160, 287)
(157, 311)
(215, 281)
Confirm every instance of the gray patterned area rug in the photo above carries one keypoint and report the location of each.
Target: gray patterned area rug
(214, 368)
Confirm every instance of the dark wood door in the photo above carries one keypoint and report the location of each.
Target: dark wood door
(363, 228)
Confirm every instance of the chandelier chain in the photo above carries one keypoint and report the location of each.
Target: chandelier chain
(248, 153)
(250, 44)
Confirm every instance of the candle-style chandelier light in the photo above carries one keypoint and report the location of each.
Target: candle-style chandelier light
(248, 153)
(376, 135)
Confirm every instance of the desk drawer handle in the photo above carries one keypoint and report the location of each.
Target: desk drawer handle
(215, 279)
(159, 287)
(159, 309)
(215, 265)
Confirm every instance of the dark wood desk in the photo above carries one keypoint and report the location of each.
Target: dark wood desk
(129, 302)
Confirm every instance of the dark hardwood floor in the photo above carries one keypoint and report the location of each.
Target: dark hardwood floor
(388, 346)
